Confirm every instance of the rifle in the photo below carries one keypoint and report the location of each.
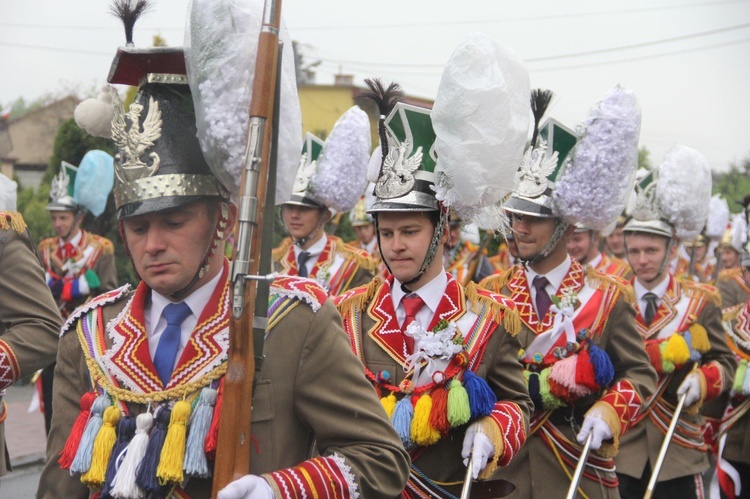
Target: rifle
(475, 259)
(573, 489)
(249, 291)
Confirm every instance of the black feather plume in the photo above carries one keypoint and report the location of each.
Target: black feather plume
(386, 99)
(129, 11)
(540, 99)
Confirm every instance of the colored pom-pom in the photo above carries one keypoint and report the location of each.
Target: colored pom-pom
(67, 291)
(74, 439)
(582, 334)
(700, 339)
(82, 460)
(195, 463)
(654, 355)
(421, 431)
(92, 279)
(603, 368)
(146, 474)
(533, 382)
(402, 417)
(406, 386)
(676, 351)
(124, 484)
(125, 432)
(75, 290)
(389, 404)
(481, 397)
(585, 375)
(173, 451)
(462, 358)
(537, 358)
(739, 377)
(667, 366)
(383, 377)
(564, 372)
(459, 410)
(439, 413)
(549, 400)
(103, 445)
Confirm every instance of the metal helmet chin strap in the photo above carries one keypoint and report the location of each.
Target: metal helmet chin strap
(664, 262)
(437, 234)
(560, 227)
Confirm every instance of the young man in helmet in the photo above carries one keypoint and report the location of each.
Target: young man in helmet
(679, 323)
(583, 245)
(422, 335)
(159, 353)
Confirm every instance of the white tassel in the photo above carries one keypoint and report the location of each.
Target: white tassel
(123, 485)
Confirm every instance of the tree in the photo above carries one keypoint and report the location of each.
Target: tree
(734, 184)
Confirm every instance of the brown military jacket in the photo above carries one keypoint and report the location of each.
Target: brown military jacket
(737, 423)
(732, 287)
(339, 267)
(686, 307)
(73, 270)
(482, 317)
(602, 315)
(29, 320)
(311, 394)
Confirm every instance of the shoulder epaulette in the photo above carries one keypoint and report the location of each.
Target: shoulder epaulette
(705, 291)
(12, 220)
(105, 244)
(46, 243)
(301, 288)
(98, 301)
(362, 257)
(603, 281)
(727, 274)
(279, 251)
(731, 313)
(500, 307)
(496, 282)
(357, 297)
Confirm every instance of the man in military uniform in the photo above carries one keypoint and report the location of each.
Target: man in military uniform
(733, 288)
(163, 347)
(29, 320)
(309, 251)
(574, 321)
(583, 245)
(419, 332)
(615, 241)
(78, 264)
(679, 324)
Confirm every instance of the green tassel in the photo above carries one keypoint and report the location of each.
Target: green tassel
(92, 279)
(459, 410)
(739, 377)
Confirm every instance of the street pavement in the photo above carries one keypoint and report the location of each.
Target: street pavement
(26, 441)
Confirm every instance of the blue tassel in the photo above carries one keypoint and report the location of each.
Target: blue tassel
(56, 286)
(146, 475)
(75, 291)
(402, 417)
(481, 397)
(82, 461)
(534, 392)
(195, 463)
(695, 355)
(603, 370)
(125, 432)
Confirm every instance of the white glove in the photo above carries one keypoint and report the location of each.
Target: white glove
(478, 445)
(247, 487)
(691, 385)
(599, 429)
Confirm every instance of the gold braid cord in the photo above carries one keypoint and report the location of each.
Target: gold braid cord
(602, 281)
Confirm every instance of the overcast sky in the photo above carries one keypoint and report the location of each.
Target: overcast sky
(688, 61)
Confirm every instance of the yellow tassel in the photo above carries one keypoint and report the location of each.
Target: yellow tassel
(700, 340)
(389, 404)
(103, 443)
(173, 452)
(421, 431)
(676, 351)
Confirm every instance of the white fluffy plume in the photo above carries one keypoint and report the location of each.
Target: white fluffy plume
(481, 122)
(340, 178)
(95, 115)
(221, 45)
(718, 217)
(684, 190)
(595, 187)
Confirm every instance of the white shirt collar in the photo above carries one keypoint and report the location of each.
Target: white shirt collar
(431, 293)
(554, 276)
(315, 250)
(659, 290)
(595, 261)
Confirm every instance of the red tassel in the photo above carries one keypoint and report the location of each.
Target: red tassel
(71, 445)
(585, 374)
(212, 437)
(439, 413)
(654, 355)
(67, 291)
(558, 390)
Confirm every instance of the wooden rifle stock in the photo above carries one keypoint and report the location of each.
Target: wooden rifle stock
(233, 445)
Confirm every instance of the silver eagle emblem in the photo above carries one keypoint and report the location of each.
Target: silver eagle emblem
(397, 177)
(304, 174)
(133, 140)
(535, 170)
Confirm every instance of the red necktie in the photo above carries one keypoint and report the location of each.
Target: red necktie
(412, 303)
